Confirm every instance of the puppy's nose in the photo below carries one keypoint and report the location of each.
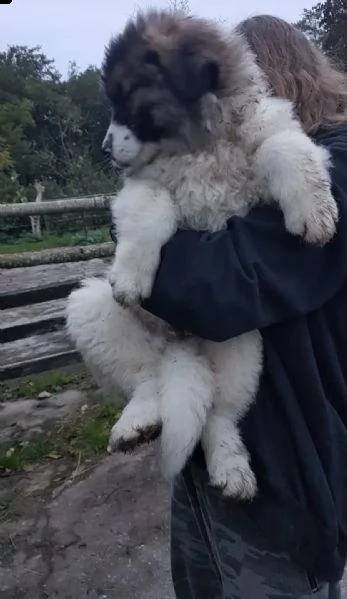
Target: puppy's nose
(107, 144)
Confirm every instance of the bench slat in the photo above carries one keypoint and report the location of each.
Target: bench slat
(18, 287)
(35, 354)
(25, 321)
(32, 324)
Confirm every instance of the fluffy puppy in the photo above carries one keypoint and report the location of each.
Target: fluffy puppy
(200, 139)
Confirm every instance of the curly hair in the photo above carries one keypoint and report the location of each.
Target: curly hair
(297, 70)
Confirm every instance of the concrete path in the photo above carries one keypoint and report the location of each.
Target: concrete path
(102, 533)
(104, 537)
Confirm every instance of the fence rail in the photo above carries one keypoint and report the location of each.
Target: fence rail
(67, 205)
(88, 238)
(32, 300)
(57, 255)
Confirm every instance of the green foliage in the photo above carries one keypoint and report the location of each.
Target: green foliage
(50, 128)
(51, 381)
(84, 437)
(16, 458)
(334, 19)
(326, 25)
(310, 23)
(90, 435)
(26, 242)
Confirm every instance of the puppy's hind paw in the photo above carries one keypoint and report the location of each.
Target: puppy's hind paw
(126, 441)
(140, 423)
(235, 479)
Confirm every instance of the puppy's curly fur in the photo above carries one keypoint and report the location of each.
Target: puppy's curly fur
(201, 139)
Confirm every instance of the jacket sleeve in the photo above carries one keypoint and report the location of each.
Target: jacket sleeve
(253, 274)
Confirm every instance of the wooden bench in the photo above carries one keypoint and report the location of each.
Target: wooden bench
(32, 322)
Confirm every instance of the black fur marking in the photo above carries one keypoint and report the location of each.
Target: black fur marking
(118, 49)
(152, 57)
(154, 74)
(145, 127)
(188, 79)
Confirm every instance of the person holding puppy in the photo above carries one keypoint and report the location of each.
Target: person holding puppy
(291, 541)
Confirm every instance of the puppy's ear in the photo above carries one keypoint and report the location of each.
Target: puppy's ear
(191, 75)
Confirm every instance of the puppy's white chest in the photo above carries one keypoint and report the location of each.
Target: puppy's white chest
(209, 188)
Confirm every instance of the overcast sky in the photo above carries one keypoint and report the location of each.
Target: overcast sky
(79, 29)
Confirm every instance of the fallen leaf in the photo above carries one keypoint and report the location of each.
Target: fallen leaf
(28, 468)
(53, 455)
(44, 395)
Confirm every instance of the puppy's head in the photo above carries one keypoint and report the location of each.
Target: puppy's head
(155, 75)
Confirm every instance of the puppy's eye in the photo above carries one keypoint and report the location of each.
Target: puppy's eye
(145, 114)
(152, 57)
(147, 129)
(114, 93)
(118, 91)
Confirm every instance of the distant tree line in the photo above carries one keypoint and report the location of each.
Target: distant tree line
(326, 25)
(51, 127)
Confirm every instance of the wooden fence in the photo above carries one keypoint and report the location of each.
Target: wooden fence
(32, 300)
(90, 203)
(57, 255)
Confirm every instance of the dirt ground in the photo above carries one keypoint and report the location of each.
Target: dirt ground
(70, 530)
(92, 530)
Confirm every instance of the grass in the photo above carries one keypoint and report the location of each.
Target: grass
(51, 381)
(84, 437)
(28, 243)
(18, 457)
(90, 435)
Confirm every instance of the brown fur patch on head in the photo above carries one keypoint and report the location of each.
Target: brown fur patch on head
(158, 69)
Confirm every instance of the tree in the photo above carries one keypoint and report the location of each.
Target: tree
(310, 23)
(180, 6)
(334, 21)
(85, 91)
(50, 129)
(326, 25)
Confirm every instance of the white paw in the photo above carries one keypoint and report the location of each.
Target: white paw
(314, 218)
(136, 426)
(129, 287)
(234, 477)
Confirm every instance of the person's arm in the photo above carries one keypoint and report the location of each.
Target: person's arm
(252, 275)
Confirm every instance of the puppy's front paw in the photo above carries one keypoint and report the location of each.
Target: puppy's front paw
(314, 217)
(129, 288)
